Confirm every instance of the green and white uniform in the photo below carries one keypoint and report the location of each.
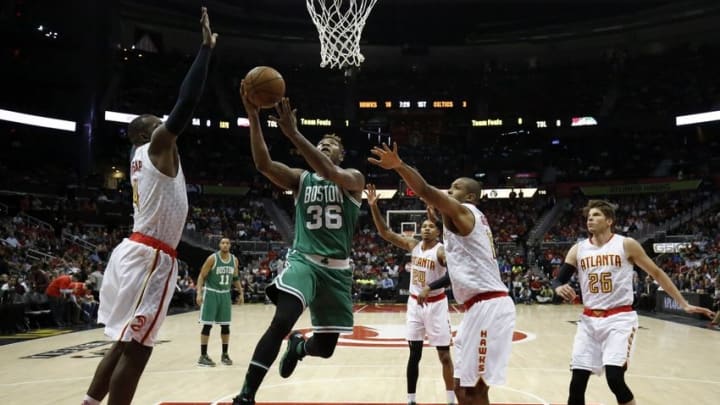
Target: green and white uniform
(317, 269)
(217, 301)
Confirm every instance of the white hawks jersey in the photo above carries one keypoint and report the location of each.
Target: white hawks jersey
(471, 259)
(425, 268)
(160, 202)
(605, 274)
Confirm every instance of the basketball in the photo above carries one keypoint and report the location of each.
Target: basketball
(265, 86)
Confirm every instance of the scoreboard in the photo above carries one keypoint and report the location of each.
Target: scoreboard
(402, 104)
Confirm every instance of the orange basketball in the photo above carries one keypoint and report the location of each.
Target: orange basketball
(265, 86)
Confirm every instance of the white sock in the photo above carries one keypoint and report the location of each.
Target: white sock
(450, 397)
(90, 401)
(411, 398)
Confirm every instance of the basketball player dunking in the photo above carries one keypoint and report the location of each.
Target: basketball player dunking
(424, 316)
(606, 332)
(141, 274)
(484, 337)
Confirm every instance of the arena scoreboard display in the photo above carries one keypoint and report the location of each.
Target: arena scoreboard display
(402, 104)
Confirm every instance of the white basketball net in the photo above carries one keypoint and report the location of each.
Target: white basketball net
(340, 29)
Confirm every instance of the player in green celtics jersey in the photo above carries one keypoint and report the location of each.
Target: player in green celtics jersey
(317, 273)
(214, 296)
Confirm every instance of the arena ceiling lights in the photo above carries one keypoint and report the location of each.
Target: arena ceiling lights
(119, 117)
(38, 121)
(697, 118)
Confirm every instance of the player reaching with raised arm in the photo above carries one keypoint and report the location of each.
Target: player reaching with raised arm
(484, 337)
(427, 314)
(141, 274)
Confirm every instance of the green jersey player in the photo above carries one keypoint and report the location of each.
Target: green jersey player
(317, 273)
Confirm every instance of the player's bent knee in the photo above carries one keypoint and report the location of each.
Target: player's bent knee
(206, 330)
(323, 344)
(326, 352)
(615, 376)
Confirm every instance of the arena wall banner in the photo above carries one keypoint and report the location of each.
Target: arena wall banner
(640, 188)
(665, 303)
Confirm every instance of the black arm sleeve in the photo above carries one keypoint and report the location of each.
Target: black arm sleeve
(190, 92)
(442, 282)
(566, 271)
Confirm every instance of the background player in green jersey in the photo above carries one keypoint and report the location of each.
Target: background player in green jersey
(214, 297)
(317, 272)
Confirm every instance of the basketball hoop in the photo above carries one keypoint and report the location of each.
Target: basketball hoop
(340, 29)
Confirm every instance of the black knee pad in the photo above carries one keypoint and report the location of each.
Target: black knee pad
(206, 330)
(578, 385)
(225, 329)
(615, 376)
(416, 347)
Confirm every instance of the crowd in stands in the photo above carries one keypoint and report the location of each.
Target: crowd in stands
(239, 218)
(46, 278)
(633, 212)
(696, 268)
(512, 219)
(53, 278)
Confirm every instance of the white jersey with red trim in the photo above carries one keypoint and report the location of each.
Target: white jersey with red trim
(160, 202)
(471, 259)
(425, 268)
(605, 274)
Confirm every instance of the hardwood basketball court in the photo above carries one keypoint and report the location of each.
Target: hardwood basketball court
(673, 363)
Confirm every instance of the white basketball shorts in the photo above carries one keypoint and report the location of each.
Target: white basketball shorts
(484, 341)
(136, 292)
(432, 319)
(603, 342)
